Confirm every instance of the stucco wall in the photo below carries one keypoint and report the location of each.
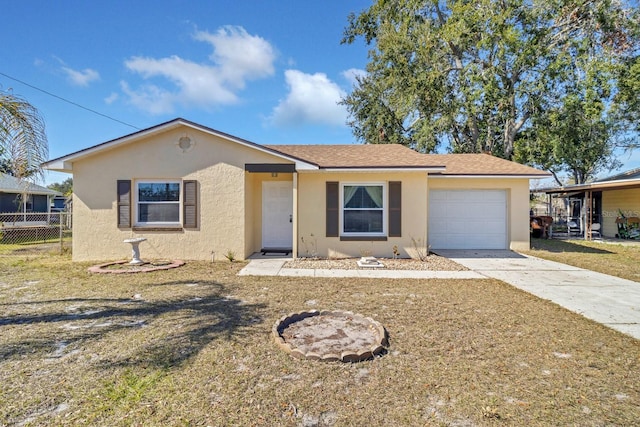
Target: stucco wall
(311, 208)
(230, 202)
(615, 200)
(517, 202)
(217, 165)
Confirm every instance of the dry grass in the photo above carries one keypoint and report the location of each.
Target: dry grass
(614, 258)
(192, 346)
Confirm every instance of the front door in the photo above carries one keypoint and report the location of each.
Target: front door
(277, 214)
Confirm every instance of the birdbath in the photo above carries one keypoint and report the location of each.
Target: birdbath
(135, 250)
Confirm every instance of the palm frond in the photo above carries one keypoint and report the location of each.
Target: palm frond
(23, 139)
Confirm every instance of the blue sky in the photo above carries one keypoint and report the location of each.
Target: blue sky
(270, 71)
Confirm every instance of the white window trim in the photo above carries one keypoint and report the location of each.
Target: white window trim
(385, 209)
(136, 203)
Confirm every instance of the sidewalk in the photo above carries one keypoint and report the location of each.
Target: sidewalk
(608, 300)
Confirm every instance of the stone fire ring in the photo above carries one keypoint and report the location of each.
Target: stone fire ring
(330, 336)
(142, 268)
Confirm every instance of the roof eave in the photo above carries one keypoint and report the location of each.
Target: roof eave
(599, 185)
(27, 190)
(428, 169)
(58, 166)
(65, 163)
(492, 176)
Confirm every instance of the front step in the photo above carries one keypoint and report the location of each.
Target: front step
(285, 251)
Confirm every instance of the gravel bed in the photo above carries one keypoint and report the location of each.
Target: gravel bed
(432, 262)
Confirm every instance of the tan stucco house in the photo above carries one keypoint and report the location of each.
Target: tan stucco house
(197, 193)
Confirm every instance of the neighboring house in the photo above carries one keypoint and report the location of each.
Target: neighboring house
(197, 193)
(20, 196)
(601, 202)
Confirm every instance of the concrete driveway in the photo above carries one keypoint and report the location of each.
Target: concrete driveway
(609, 300)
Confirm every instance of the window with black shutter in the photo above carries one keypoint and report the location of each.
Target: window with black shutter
(157, 203)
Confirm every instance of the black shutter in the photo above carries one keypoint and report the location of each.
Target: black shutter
(333, 210)
(124, 203)
(395, 209)
(190, 204)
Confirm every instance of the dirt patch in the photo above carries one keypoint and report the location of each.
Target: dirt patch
(123, 267)
(330, 336)
(433, 263)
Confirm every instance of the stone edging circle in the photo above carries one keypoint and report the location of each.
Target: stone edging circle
(377, 346)
(144, 268)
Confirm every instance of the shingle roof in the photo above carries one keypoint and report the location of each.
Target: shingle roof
(10, 184)
(357, 156)
(483, 164)
(630, 174)
(398, 156)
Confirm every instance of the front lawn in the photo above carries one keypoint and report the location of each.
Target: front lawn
(612, 258)
(192, 346)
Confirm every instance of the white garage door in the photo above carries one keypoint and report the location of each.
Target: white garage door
(468, 219)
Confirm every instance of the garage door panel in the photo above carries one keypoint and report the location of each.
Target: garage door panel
(441, 226)
(491, 212)
(463, 241)
(494, 228)
(439, 209)
(467, 219)
(473, 227)
(455, 241)
(438, 196)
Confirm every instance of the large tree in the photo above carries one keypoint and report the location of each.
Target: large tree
(578, 132)
(474, 76)
(23, 140)
(627, 99)
(65, 187)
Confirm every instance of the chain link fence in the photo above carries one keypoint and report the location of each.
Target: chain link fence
(37, 233)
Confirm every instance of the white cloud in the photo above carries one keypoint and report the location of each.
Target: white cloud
(111, 98)
(81, 78)
(352, 74)
(312, 98)
(150, 98)
(237, 57)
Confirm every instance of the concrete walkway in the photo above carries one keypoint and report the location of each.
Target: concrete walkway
(609, 300)
(272, 266)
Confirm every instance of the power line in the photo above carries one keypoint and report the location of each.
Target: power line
(68, 101)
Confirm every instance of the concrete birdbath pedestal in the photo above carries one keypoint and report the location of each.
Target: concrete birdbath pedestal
(369, 262)
(135, 250)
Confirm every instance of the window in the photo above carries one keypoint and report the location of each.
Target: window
(363, 209)
(366, 215)
(157, 203)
